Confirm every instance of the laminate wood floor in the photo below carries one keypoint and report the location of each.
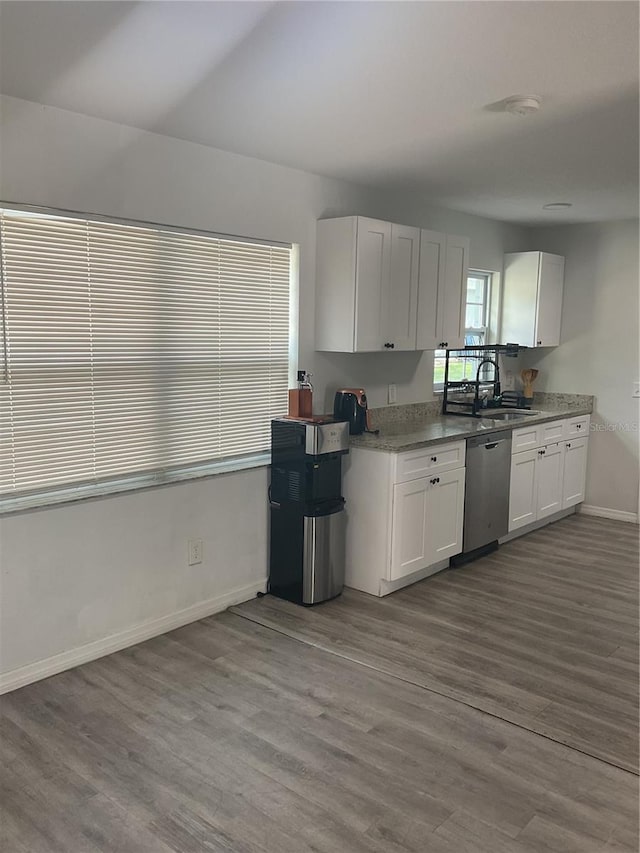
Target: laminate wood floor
(543, 633)
(228, 735)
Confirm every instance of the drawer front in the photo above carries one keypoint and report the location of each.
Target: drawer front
(525, 438)
(552, 433)
(577, 427)
(428, 460)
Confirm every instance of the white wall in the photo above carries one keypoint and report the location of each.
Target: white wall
(78, 573)
(599, 349)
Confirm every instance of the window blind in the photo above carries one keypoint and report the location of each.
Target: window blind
(132, 349)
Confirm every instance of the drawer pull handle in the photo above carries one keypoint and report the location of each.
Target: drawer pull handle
(568, 445)
(434, 458)
(435, 480)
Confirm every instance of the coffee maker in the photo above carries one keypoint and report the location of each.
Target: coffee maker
(350, 404)
(307, 548)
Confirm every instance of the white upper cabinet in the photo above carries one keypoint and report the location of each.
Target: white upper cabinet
(366, 285)
(444, 263)
(532, 299)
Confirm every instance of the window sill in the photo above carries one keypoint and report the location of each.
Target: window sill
(71, 494)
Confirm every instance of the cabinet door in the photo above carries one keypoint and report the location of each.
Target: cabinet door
(401, 293)
(549, 475)
(549, 308)
(519, 298)
(455, 291)
(445, 514)
(522, 489)
(431, 283)
(373, 267)
(575, 472)
(410, 547)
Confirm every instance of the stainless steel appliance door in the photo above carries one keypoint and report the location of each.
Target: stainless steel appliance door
(326, 438)
(323, 556)
(486, 503)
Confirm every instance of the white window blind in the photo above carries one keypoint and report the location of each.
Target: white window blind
(131, 349)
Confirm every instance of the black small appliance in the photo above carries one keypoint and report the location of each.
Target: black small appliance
(307, 547)
(350, 404)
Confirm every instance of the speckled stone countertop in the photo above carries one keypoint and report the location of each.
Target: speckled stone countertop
(417, 425)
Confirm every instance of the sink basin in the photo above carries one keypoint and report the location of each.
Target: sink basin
(497, 415)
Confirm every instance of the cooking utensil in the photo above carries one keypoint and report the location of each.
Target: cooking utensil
(528, 376)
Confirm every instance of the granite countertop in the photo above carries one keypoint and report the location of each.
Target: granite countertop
(410, 433)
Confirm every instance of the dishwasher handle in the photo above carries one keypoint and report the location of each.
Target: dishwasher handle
(489, 441)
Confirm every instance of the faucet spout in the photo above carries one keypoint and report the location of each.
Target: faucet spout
(496, 381)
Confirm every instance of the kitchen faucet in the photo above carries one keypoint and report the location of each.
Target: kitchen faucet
(496, 382)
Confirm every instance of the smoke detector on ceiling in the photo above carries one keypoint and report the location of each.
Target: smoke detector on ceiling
(522, 105)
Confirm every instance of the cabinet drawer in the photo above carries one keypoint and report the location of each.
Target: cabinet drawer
(427, 460)
(577, 427)
(531, 437)
(525, 438)
(551, 433)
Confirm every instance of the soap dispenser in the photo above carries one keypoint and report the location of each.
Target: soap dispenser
(301, 398)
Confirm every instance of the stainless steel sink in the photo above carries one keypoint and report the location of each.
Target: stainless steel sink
(498, 415)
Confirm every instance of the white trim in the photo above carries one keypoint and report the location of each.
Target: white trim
(24, 675)
(606, 512)
(134, 483)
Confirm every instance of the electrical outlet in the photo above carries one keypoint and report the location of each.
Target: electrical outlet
(195, 551)
(392, 396)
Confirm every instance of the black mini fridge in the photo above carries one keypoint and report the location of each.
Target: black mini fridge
(307, 546)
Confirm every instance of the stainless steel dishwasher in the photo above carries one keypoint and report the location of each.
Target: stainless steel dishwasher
(486, 501)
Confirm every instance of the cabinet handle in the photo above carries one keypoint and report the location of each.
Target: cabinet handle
(539, 343)
(389, 346)
(435, 480)
(568, 445)
(434, 458)
(578, 426)
(541, 453)
(446, 343)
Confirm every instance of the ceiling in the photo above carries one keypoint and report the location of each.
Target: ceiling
(398, 95)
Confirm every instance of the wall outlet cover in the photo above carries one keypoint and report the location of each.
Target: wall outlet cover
(195, 551)
(392, 395)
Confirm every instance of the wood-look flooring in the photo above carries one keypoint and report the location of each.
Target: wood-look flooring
(228, 735)
(543, 633)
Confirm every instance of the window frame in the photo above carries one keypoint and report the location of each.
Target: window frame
(489, 278)
(139, 481)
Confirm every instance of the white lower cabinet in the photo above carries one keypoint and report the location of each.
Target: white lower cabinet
(550, 476)
(575, 472)
(404, 513)
(522, 489)
(546, 480)
(426, 522)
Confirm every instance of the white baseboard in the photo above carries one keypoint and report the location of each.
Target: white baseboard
(605, 512)
(24, 675)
